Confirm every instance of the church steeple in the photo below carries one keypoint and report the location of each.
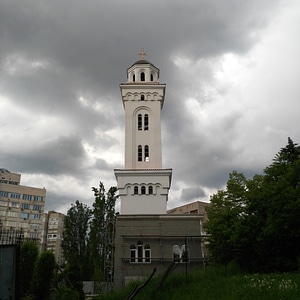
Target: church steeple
(143, 97)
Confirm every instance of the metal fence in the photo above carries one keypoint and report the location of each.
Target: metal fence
(11, 236)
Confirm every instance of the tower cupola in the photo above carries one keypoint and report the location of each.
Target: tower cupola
(142, 71)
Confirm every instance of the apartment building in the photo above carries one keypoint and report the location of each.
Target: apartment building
(55, 227)
(197, 207)
(22, 207)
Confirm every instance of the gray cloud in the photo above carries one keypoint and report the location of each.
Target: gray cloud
(192, 194)
(65, 155)
(61, 64)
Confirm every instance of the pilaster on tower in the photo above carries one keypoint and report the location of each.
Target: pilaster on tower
(143, 184)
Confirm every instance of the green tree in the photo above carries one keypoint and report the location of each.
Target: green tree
(43, 275)
(226, 218)
(102, 228)
(256, 222)
(74, 244)
(28, 256)
(281, 189)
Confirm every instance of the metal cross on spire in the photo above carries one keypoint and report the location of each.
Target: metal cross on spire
(143, 54)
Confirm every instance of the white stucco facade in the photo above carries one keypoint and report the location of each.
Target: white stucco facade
(143, 184)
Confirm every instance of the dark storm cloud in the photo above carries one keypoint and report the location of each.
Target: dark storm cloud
(192, 194)
(65, 155)
(55, 200)
(62, 61)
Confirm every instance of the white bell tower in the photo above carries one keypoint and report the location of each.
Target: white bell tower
(143, 184)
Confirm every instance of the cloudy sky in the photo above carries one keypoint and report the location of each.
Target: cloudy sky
(232, 71)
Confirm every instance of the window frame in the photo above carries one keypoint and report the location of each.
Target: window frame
(140, 122)
(150, 190)
(146, 122)
(140, 253)
(146, 153)
(140, 153)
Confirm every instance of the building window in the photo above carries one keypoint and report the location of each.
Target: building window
(36, 216)
(140, 153)
(136, 190)
(37, 207)
(4, 194)
(33, 235)
(151, 77)
(133, 254)
(11, 223)
(25, 206)
(27, 197)
(23, 225)
(140, 253)
(150, 190)
(146, 153)
(24, 215)
(3, 203)
(147, 254)
(180, 254)
(34, 226)
(142, 97)
(15, 195)
(143, 190)
(140, 124)
(146, 122)
(142, 76)
(176, 253)
(12, 214)
(38, 198)
(133, 78)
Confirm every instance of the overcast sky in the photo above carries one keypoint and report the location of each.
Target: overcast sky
(232, 70)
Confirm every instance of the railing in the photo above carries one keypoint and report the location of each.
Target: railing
(11, 236)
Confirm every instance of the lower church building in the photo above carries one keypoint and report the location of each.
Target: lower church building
(146, 237)
(145, 242)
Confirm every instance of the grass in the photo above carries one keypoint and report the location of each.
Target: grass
(222, 283)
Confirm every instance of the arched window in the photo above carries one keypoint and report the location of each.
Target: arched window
(146, 153)
(147, 252)
(132, 253)
(180, 254)
(184, 254)
(140, 125)
(146, 122)
(140, 153)
(142, 76)
(133, 78)
(136, 190)
(143, 190)
(151, 77)
(176, 253)
(142, 97)
(150, 190)
(140, 251)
